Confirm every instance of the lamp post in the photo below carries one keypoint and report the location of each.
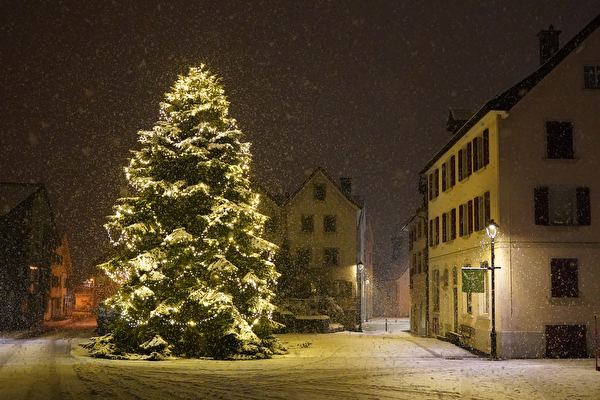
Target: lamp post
(359, 276)
(492, 231)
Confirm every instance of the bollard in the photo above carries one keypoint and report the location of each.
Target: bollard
(386, 324)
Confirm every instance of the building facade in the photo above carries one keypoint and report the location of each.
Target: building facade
(322, 232)
(418, 249)
(61, 269)
(28, 240)
(527, 159)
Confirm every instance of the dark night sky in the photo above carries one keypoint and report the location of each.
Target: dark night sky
(361, 88)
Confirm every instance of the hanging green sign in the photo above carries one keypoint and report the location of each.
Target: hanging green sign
(473, 280)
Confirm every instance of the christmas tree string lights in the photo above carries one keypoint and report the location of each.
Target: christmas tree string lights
(192, 265)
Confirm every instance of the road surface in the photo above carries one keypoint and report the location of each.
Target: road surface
(369, 365)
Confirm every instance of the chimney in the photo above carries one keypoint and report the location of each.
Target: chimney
(548, 43)
(346, 186)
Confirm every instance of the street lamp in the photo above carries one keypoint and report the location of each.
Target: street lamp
(359, 276)
(492, 231)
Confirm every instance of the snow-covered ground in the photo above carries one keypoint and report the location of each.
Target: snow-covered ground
(369, 365)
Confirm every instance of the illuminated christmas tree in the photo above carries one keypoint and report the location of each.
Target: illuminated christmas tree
(195, 276)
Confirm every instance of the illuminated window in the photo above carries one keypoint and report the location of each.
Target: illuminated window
(562, 206)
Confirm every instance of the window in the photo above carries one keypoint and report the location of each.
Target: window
(319, 192)
(481, 211)
(449, 225)
(308, 223)
(481, 151)
(449, 173)
(591, 77)
(465, 156)
(469, 302)
(434, 184)
(303, 257)
(559, 140)
(562, 206)
(329, 223)
(419, 263)
(465, 218)
(563, 272)
(55, 281)
(331, 256)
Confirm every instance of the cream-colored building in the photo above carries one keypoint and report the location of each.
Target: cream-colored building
(324, 231)
(61, 269)
(528, 159)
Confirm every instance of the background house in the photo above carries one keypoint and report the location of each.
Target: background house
(61, 270)
(325, 253)
(528, 160)
(28, 241)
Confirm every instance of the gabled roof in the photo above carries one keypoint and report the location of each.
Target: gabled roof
(350, 198)
(512, 96)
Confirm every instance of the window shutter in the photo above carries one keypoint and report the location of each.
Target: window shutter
(475, 154)
(453, 224)
(444, 227)
(444, 177)
(469, 159)
(486, 147)
(461, 220)
(431, 233)
(460, 165)
(540, 200)
(583, 206)
(452, 171)
(430, 179)
(470, 215)
(436, 184)
(476, 221)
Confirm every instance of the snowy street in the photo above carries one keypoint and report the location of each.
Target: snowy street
(369, 365)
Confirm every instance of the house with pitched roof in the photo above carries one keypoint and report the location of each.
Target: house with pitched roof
(325, 248)
(528, 160)
(28, 240)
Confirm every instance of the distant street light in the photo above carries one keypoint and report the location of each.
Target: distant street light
(492, 231)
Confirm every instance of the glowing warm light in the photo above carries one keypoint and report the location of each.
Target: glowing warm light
(492, 229)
